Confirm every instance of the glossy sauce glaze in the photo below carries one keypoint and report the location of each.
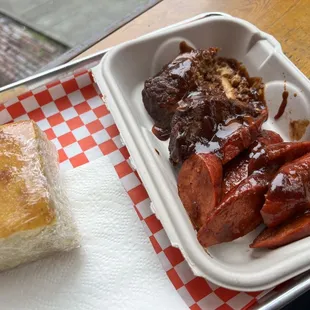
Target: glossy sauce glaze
(160, 133)
(289, 192)
(207, 122)
(237, 170)
(278, 154)
(162, 92)
(223, 131)
(197, 78)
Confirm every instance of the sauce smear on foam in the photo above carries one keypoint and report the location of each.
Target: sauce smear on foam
(298, 129)
(282, 106)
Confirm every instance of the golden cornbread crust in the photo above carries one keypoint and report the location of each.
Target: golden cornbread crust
(35, 217)
(24, 197)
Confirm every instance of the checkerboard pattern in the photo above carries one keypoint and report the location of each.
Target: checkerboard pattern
(73, 115)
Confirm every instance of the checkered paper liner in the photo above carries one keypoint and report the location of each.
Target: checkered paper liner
(74, 117)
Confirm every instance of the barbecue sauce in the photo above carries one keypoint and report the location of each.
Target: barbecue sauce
(283, 105)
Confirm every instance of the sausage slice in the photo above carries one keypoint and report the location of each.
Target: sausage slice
(239, 140)
(279, 153)
(238, 213)
(236, 170)
(278, 236)
(289, 192)
(199, 186)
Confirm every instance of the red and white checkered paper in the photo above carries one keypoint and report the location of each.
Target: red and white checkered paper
(73, 115)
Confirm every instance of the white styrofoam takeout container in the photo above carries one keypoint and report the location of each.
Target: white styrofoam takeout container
(121, 75)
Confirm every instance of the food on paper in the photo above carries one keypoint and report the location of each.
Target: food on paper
(35, 219)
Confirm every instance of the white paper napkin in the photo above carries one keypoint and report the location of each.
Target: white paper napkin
(116, 266)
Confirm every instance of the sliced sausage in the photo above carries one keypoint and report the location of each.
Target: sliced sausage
(240, 140)
(289, 192)
(279, 153)
(266, 137)
(238, 213)
(162, 92)
(199, 186)
(236, 170)
(278, 236)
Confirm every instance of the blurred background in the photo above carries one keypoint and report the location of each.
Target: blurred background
(36, 35)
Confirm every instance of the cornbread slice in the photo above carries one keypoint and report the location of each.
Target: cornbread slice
(34, 216)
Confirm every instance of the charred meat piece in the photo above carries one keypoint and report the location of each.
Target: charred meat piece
(289, 192)
(199, 186)
(162, 92)
(238, 213)
(198, 70)
(279, 154)
(236, 170)
(206, 123)
(296, 229)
